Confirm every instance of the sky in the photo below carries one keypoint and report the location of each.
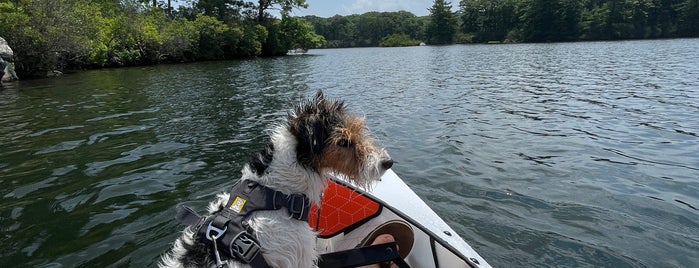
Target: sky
(329, 8)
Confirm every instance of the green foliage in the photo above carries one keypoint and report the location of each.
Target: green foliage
(179, 40)
(367, 29)
(73, 34)
(570, 20)
(539, 19)
(442, 25)
(688, 18)
(398, 40)
(487, 20)
(211, 34)
(15, 26)
(507, 21)
(298, 33)
(252, 38)
(285, 6)
(222, 10)
(464, 38)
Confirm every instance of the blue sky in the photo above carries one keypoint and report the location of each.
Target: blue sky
(329, 8)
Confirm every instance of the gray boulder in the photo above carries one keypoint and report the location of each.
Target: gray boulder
(7, 73)
(5, 51)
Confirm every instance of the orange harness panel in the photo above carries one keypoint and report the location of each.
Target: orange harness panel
(342, 209)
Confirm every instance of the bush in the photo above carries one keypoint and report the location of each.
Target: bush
(85, 33)
(398, 40)
(464, 38)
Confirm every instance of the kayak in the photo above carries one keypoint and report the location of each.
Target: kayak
(349, 214)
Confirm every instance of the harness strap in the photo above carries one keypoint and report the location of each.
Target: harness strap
(226, 230)
(187, 216)
(363, 256)
(248, 196)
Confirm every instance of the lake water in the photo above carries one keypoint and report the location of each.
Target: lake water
(538, 155)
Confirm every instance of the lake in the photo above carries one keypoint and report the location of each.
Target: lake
(538, 155)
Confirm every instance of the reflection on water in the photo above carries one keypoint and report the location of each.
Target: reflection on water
(543, 155)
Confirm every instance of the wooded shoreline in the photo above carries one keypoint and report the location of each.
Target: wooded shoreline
(49, 35)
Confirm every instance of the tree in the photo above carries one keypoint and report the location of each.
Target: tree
(398, 40)
(689, 18)
(569, 15)
(285, 7)
(369, 28)
(442, 25)
(223, 10)
(540, 18)
(487, 20)
(298, 33)
(470, 12)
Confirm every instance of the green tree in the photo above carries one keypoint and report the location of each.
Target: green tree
(254, 36)
(298, 33)
(637, 16)
(689, 18)
(211, 35)
(569, 14)
(539, 19)
(285, 6)
(338, 31)
(470, 16)
(372, 26)
(594, 24)
(398, 40)
(367, 29)
(15, 27)
(53, 34)
(223, 10)
(487, 20)
(442, 25)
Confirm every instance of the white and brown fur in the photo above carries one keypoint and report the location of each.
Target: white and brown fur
(319, 137)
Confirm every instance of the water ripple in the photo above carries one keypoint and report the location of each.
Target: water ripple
(543, 155)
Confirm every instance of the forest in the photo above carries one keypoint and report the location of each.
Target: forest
(62, 35)
(480, 21)
(49, 35)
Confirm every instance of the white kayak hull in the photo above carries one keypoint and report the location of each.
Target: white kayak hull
(436, 244)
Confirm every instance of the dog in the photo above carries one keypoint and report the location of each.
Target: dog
(318, 138)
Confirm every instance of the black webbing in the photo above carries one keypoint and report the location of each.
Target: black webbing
(362, 256)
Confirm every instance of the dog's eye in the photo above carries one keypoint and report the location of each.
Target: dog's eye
(344, 143)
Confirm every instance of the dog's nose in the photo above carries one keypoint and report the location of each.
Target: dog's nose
(387, 163)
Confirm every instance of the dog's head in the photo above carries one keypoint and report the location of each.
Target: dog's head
(331, 139)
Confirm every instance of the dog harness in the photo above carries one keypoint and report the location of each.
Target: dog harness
(226, 230)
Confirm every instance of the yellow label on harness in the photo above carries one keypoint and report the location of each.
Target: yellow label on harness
(238, 204)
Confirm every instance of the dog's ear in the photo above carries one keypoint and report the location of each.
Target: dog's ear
(311, 135)
(312, 122)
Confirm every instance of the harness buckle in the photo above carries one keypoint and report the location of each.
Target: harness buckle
(213, 232)
(297, 206)
(244, 247)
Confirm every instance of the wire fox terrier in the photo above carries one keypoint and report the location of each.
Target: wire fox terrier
(319, 137)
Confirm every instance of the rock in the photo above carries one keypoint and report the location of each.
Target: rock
(53, 73)
(7, 73)
(6, 52)
(3, 65)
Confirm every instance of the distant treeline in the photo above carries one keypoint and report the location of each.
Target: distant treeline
(368, 29)
(51, 35)
(479, 21)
